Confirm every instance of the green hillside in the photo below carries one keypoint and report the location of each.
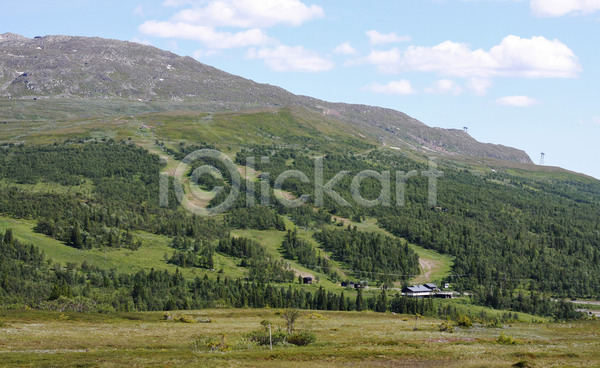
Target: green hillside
(114, 247)
(80, 179)
(99, 198)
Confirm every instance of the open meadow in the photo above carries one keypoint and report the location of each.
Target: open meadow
(348, 339)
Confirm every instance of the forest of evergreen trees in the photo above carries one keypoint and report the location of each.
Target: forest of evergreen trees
(25, 276)
(369, 255)
(516, 241)
(305, 254)
(506, 232)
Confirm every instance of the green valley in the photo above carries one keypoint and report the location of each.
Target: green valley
(336, 211)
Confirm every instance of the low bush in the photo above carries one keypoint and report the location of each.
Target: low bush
(302, 338)
(184, 318)
(494, 323)
(279, 336)
(261, 337)
(218, 345)
(506, 340)
(211, 344)
(446, 327)
(464, 321)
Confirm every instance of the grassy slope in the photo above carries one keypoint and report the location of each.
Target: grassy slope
(224, 130)
(85, 189)
(48, 121)
(229, 130)
(150, 255)
(439, 265)
(271, 240)
(344, 339)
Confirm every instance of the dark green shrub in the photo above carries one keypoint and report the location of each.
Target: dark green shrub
(446, 327)
(302, 338)
(260, 337)
(464, 321)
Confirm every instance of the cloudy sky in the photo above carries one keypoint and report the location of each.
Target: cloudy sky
(524, 73)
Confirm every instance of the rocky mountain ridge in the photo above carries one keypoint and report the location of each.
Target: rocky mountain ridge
(71, 67)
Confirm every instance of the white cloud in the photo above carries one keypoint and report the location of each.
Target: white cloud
(479, 86)
(557, 8)
(517, 101)
(377, 38)
(291, 58)
(176, 3)
(596, 120)
(401, 87)
(389, 61)
(139, 11)
(208, 35)
(249, 13)
(344, 49)
(444, 87)
(202, 20)
(536, 57)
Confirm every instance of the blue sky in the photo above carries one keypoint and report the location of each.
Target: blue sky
(520, 73)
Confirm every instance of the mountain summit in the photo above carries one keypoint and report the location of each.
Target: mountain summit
(69, 67)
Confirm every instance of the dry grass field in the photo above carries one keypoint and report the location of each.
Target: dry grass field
(344, 339)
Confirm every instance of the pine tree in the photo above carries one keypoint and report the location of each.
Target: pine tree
(8, 237)
(381, 305)
(76, 237)
(360, 303)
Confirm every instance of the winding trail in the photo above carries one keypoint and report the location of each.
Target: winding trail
(434, 265)
(428, 267)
